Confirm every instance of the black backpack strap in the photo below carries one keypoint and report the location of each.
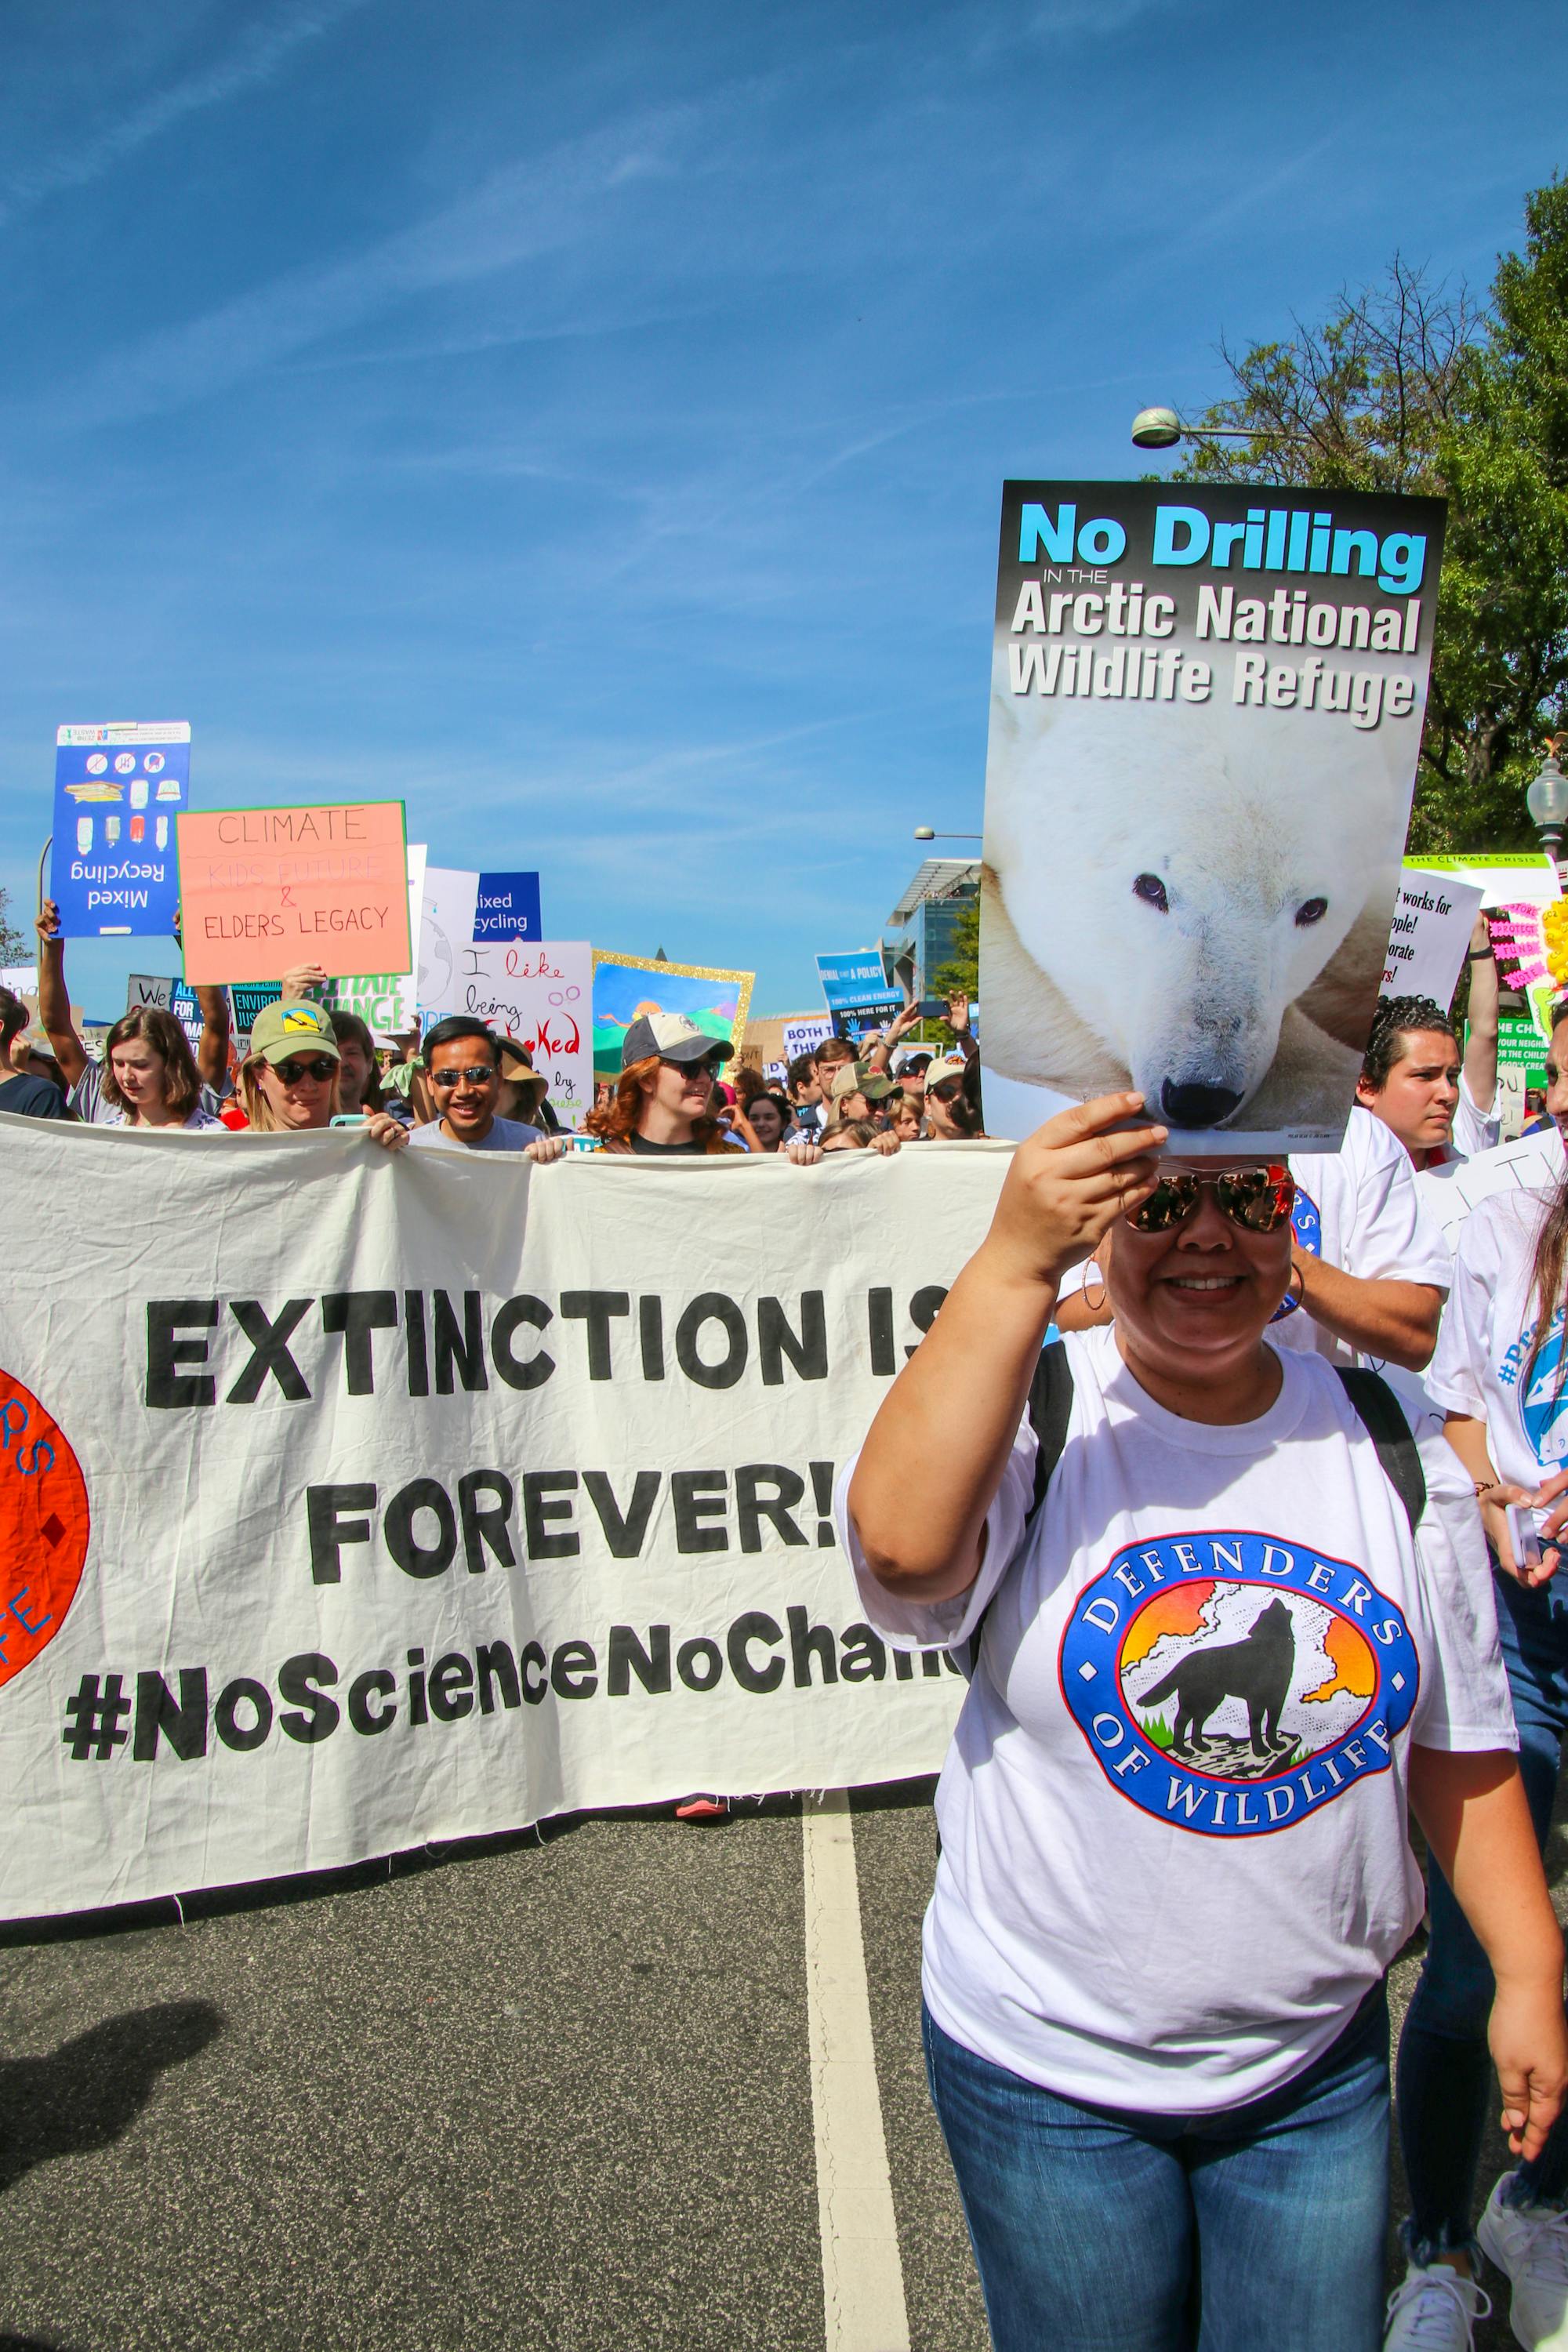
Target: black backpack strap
(1383, 1417)
(1050, 1409)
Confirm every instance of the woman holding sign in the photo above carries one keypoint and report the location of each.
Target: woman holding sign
(1230, 1628)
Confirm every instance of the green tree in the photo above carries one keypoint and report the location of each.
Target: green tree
(959, 975)
(1415, 388)
(13, 945)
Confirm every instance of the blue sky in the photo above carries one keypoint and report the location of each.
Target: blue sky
(588, 425)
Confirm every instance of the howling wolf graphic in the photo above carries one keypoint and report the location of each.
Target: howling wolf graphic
(1256, 1670)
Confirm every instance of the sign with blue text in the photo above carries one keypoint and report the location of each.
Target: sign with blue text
(117, 790)
(854, 982)
(506, 908)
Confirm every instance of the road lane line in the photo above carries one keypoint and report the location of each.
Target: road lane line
(862, 2276)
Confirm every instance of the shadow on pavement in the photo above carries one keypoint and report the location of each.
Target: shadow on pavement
(88, 2091)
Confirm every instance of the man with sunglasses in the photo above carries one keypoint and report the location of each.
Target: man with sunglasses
(462, 1065)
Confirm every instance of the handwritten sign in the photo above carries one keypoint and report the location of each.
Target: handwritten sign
(386, 1000)
(265, 889)
(543, 996)
(1433, 919)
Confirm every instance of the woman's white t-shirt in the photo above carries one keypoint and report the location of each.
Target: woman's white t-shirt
(1173, 1822)
(1488, 1327)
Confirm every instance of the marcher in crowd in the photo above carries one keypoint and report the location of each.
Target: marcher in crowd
(462, 1059)
(1413, 1078)
(21, 1093)
(1156, 2040)
(905, 1120)
(1499, 1376)
(951, 1114)
(857, 1092)
(768, 1118)
(95, 1096)
(524, 1091)
(804, 1088)
(359, 1076)
(288, 1082)
(663, 1105)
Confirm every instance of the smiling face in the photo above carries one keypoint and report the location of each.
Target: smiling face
(1192, 1303)
(293, 1092)
(466, 1081)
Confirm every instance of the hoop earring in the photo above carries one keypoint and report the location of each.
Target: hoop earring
(1094, 1305)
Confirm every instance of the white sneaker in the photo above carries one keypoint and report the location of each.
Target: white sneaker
(1530, 2247)
(1435, 2310)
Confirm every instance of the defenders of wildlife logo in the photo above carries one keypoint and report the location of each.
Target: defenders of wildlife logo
(44, 1527)
(1307, 1229)
(1233, 1683)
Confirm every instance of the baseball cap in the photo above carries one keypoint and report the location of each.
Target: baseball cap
(910, 1059)
(861, 1078)
(949, 1067)
(283, 1032)
(673, 1038)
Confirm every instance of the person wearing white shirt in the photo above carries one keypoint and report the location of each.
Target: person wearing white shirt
(1219, 1662)
(1499, 1378)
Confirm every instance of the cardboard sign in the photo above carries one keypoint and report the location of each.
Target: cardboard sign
(268, 888)
(624, 986)
(1429, 936)
(507, 909)
(1206, 706)
(543, 996)
(119, 790)
(21, 979)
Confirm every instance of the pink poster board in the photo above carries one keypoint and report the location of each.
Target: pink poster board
(263, 889)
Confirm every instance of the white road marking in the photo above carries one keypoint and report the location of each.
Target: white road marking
(862, 2276)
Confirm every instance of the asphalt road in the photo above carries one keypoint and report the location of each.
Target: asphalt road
(554, 2095)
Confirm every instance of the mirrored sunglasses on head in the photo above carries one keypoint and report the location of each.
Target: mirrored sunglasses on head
(1257, 1199)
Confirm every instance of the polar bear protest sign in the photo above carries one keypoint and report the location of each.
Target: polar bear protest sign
(1205, 710)
(352, 1499)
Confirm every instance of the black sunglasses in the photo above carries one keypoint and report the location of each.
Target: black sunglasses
(709, 1065)
(949, 1091)
(1258, 1200)
(320, 1069)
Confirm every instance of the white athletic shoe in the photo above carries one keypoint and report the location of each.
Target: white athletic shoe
(1529, 2246)
(1435, 2310)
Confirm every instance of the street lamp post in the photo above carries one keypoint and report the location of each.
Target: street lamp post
(924, 833)
(1162, 428)
(1547, 801)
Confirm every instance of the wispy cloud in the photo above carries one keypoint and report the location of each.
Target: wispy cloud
(259, 55)
(519, 212)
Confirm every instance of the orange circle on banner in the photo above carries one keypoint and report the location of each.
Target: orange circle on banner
(44, 1527)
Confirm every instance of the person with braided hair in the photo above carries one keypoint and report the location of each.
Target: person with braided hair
(1441, 1105)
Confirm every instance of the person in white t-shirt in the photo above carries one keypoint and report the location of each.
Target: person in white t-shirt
(1412, 1078)
(1499, 1376)
(1216, 1673)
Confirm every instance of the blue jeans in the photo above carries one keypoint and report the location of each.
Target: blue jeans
(1096, 2230)
(1445, 2079)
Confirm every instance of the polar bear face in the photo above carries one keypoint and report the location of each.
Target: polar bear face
(1179, 899)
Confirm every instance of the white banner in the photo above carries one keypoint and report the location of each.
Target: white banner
(352, 1499)
(542, 995)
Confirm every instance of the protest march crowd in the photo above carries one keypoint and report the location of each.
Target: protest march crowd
(1155, 2021)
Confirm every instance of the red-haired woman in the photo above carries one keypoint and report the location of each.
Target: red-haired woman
(662, 1107)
